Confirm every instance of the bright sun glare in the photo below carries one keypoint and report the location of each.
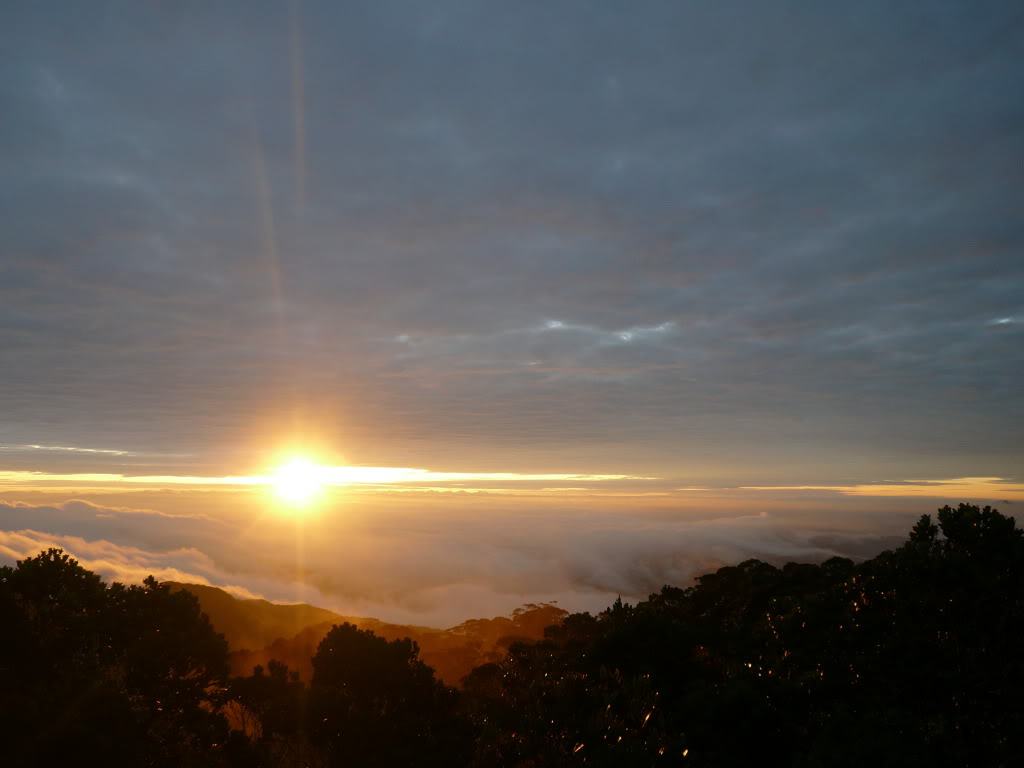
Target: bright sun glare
(298, 481)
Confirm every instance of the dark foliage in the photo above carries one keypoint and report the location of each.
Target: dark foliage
(105, 675)
(379, 705)
(911, 658)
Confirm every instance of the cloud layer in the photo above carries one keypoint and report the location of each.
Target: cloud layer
(497, 233)
(425, 568)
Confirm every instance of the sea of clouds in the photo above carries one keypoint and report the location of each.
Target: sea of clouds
(425, 567)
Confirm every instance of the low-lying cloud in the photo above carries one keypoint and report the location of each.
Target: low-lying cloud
(425, 568)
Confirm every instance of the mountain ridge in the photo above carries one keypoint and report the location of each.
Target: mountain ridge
(259, 630)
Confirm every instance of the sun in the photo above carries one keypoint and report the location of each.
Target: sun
(298, 481)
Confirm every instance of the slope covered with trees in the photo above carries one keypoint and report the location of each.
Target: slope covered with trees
(910, 658)
(250, 624)
(259, 632)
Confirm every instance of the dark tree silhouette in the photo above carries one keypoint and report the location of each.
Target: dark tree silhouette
(271, 710)
(56, 694)
(912, 657)
(375, 703)
(115, 676)
(172, 663)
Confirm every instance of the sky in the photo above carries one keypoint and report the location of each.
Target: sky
(578, 298)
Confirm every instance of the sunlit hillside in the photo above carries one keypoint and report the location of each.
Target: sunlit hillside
(258, 631)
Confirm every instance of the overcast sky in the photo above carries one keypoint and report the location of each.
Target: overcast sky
(714, 242)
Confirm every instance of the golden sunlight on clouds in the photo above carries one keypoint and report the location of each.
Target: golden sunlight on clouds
(299, 480)
(34, 478)
(293, 475)
(965, 487)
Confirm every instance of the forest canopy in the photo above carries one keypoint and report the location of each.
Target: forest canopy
(910, 657)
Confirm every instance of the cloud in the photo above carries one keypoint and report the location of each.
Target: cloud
(65, 448)
(331, 476)
(137, 527)
(977, 488)
(127, 565)
(750, 256)
(435, 565)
